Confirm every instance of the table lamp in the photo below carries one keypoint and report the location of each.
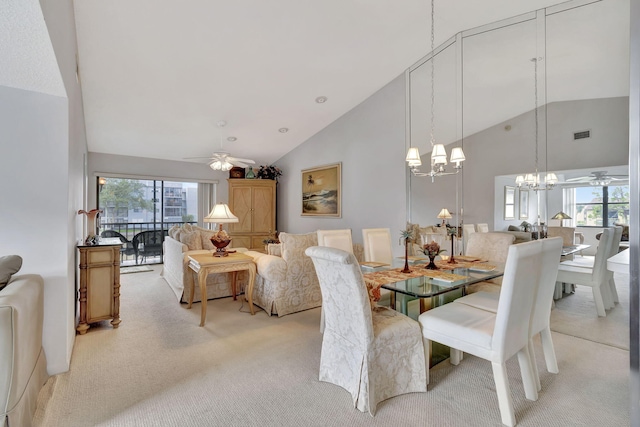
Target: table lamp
(220, 214)
(443, 215)
(561, 215)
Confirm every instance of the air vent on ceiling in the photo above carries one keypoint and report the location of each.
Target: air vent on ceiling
(583, 134)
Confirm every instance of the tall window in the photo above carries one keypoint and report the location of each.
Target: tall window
(599, 206)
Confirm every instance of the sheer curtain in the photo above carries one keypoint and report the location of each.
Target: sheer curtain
(207, 196)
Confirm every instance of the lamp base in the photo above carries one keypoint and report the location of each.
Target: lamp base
(220, 252)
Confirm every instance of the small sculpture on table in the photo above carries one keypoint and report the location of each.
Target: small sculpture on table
(453, 233)
(406, 237)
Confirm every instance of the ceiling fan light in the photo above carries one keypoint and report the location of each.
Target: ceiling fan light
(216, 166)
(226, 166)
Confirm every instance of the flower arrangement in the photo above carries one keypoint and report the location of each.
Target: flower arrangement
(273, 238)
(269, 172)
(432, 249)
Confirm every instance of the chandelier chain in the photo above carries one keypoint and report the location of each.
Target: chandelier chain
(432, 72)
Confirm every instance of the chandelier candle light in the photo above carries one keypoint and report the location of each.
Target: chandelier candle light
(438, 152)
(220, 214)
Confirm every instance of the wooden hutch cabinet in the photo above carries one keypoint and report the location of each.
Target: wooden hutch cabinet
(253, 201)
(99, 292)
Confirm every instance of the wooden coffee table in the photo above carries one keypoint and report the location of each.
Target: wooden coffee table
(205, 264)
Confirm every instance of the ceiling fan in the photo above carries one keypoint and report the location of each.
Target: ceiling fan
(597, 178)
(221, 160)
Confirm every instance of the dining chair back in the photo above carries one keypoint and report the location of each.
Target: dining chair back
(497, 336)
(371, 363)
(377, 245)
(490, 246)
(568, 234)
(339, 239)
(483, 228)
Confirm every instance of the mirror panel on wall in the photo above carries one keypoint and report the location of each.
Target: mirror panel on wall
(489, 108)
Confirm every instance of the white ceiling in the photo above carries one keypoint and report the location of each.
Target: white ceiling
(158, 75)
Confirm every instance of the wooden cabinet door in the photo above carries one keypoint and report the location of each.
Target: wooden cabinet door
(241, 201)
(263, 210)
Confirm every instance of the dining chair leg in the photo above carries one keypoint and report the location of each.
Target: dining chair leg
(557, 293)
(549, 352)
(505, 403)
(534, 365)
(526, 371)
(597, 296)
(614, 291)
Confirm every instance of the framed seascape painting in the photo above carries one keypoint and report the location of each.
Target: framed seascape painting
(321, 191)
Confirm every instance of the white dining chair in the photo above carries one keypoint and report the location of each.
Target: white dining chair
(589, 260)
(541, 313)
(339, 239)
(377, 245)
(373, 354)
(495, 337)
(483, 228)
(596, 278)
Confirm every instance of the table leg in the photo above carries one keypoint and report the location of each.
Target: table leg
(193, 288)
(252, 280)
(202, 279)
(234, 275)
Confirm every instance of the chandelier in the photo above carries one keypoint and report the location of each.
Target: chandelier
(532, 180)
(438, 152)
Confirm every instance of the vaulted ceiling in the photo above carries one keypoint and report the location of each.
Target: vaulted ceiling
(159, 76)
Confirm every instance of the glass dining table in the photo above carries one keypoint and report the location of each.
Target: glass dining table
(433, 291)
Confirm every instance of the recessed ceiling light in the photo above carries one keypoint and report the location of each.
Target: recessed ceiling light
(232, 138)
(221, 123)
(321, 99)
(283, 130)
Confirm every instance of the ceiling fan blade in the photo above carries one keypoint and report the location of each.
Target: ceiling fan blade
(580, 179)
(236, 159)
(239, 164)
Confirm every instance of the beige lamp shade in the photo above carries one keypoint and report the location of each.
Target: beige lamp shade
(444, 214)
(221, 214)
(439, 155)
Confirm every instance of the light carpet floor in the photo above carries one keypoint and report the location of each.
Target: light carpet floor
(576, 315)
(160, 369)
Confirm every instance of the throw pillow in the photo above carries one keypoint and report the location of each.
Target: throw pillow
(206, 236)
(191, 239)
(9, 265)
(173, 230)
(514, 228)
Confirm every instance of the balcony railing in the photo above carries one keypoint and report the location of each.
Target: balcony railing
(129, 230)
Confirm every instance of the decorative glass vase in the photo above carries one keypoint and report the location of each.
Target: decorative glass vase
(432, 265)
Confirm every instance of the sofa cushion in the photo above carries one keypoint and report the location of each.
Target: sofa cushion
(9, 265)
(173, 230)
(205, 237)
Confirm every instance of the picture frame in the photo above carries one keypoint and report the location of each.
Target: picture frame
(322, 191)
(509, 202)
(523, 207)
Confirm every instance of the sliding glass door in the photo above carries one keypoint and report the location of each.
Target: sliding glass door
(140, 212)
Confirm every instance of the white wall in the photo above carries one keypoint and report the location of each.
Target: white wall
(369, 141)
(43, 146)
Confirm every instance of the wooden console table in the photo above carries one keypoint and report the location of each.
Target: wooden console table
(99, 292)
(205, 264)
